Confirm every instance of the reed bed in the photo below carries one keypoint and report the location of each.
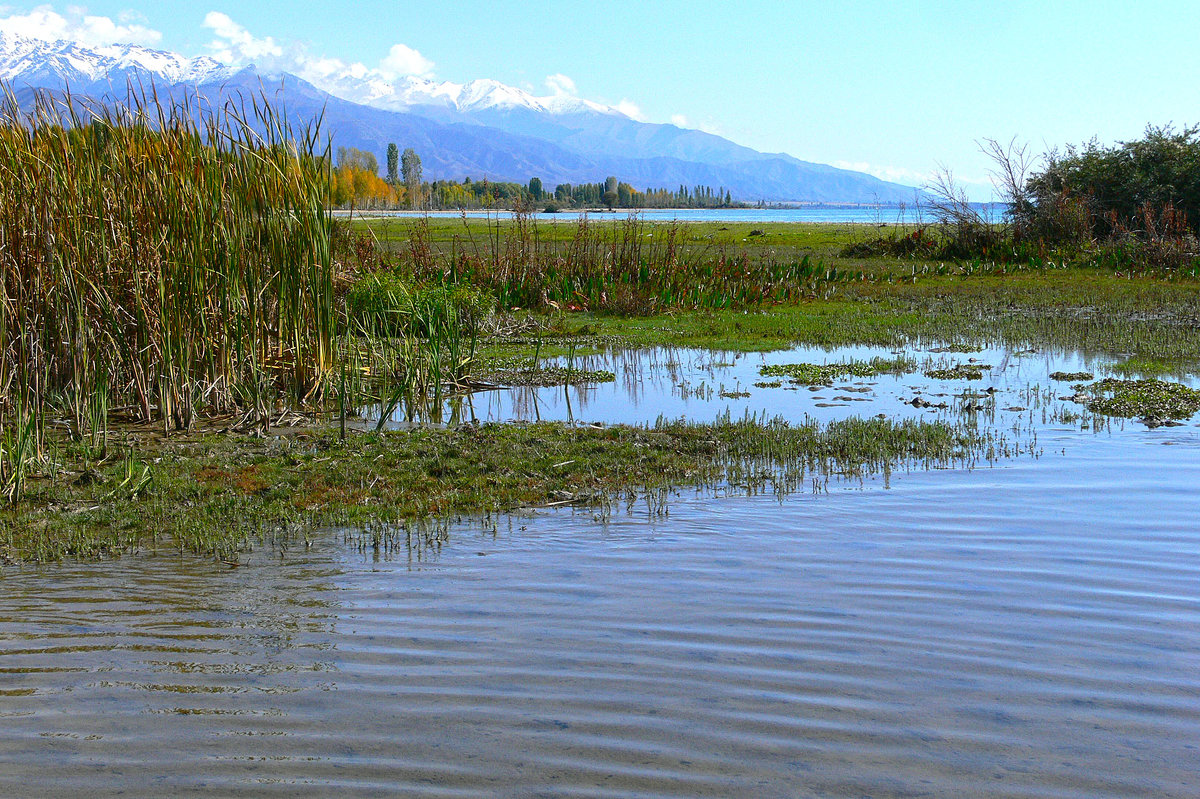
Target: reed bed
(158, 261)
(630, 267)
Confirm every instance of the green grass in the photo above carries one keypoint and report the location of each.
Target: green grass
(221, 494)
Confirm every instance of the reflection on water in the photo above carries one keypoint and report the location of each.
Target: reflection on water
(702, 386)
(1031, 629)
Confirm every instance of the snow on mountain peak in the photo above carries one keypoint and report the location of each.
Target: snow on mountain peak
(55, 63)
(478, 95)
(37, 62)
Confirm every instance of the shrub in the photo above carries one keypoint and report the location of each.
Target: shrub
(1122, 189)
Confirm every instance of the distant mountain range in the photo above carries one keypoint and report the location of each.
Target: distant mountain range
(481, 129)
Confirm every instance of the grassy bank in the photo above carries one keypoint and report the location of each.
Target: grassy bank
(219, 494)
(1152, 324)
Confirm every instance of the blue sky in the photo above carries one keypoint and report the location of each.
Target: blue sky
(896, 89)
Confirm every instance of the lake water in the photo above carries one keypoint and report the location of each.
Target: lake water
(1027, 629)
(702, 386)
(812, 213)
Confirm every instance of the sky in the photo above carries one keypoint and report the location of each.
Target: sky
(900, 90)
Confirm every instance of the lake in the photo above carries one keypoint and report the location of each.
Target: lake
(1028, 627)
(814, 213)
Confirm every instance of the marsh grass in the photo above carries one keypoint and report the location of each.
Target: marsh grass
(629, 267)
(220, 495)
(157, 262)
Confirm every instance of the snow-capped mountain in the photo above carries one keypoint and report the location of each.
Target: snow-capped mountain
(482, 128)
(38, 63)
(41, 63)
(478, 95)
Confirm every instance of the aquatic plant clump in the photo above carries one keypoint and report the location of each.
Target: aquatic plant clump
(811, 374)
(1144, 399)
(1071, 377)
(962, 371)
(544, 376)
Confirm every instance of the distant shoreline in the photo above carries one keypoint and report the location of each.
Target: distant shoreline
(815, 213)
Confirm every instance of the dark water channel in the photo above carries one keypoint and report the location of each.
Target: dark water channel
(1030, 628)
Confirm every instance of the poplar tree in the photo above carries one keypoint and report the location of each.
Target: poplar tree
(410, 168)
(393, 163)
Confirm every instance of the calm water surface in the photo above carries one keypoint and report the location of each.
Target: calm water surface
(1027, 629)
(859, 214)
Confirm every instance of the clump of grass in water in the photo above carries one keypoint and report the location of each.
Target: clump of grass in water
(1145, 366)
(1146, 399)
(962, 371)
(811, 374)
(521, 371)
(1071, 377)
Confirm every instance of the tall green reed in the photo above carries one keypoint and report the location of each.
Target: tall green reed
(162, 259)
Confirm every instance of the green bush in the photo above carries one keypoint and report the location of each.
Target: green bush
(1148, 188)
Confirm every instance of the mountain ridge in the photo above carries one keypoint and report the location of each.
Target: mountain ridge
(482, 128)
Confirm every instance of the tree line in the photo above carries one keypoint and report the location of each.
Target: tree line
(355, 182)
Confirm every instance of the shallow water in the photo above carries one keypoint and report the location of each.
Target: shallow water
(1028, 629)
(702, 386)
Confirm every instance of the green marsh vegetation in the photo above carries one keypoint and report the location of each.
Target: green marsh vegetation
(163, 265)
(156, 265)
(221, 494)
(1133, 207)
(177, 295)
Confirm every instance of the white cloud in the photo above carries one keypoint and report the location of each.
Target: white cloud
(560, 85)
(680, 121)
(630, 109)
(898, 174)
(402, 60)
(234, 44)
(43, 22)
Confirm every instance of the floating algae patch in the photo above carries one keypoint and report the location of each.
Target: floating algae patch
(811, 374)
(1148, 400)
(1071, 377)
(962, 371)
